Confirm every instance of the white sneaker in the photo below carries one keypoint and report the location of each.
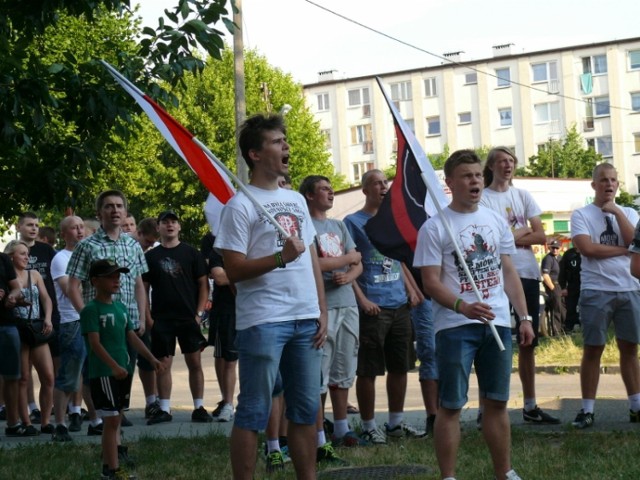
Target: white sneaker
(374, 437)
(403, 430)
(226, 413)
(512, 475)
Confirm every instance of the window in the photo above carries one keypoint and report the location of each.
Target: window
(327, 138)
(323, 102)
(464, 118)
(430, 89)
(361, 134)
(634, 60)
(433, 125)
(544, 72)
(505, 117)
(602, 145)
(359, 169)
(596, 64)
(504, 77)
(636, 143)
(401, 91)
(635, 102)
(601, 106)
(471, 78)
(358, 96)
(547, 112)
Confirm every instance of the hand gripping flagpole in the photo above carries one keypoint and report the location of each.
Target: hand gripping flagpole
(178, 137)
(437, 196)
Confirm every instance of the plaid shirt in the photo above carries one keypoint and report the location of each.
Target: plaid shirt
(125, 251)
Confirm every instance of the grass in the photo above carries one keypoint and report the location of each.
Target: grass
(570, 454)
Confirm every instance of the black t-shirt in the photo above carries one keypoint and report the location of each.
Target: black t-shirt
(206, 245)
(173, 274)
(40, 257)
(7, 273)
(223, 300)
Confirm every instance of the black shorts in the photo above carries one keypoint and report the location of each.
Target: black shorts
(222, 335)
(143, 363)
(164, 334)
(109, 394)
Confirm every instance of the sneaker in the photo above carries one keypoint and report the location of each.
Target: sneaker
(31, 431)
(539, 417)
(274, 461)
(124, 458)
(95, 431)
(512, 475)
(218, 409)
(75, 422)
(374, 437)
(326, 454)
(61, 434)
(225, 414)
(160, 417)
(402, 430)
(479, 421)
(125, 422)
(18, 430)
(119, 474)
(350, 439)
(429, 425)
(84, 414)
(634, 417)
(285, 454)
(35, 416)
(583, 420)
(200, 415)
(151, 409)
(47, 429)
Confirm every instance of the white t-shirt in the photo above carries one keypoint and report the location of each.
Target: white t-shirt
(282, 294)
(607, 274)
(517, 207)
(482, 237)
(58, 269)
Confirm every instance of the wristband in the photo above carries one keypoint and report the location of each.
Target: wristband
(526, 318)
(279, 261)
(456, 305)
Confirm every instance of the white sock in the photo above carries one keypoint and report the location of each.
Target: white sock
(634, 402)
(395, 419)
(165, 404)
(588, 404)
(198, 402)
(368, 425)
(150, 399)
(321, 437)
(32, 407)
(529, 404)
(75, 409)
(96, 422)
(273, 446)
(340, 427)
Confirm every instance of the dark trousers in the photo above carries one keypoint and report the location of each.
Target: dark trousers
(555, 310)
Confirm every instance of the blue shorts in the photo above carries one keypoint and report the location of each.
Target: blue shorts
(460, 348)
(10, 348)
(72, 355)
(262, 350)
(598, 309)
(422, 318)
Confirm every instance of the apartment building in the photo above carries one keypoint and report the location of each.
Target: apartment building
(517, 100)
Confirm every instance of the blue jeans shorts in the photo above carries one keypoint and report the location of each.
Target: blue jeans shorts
(10, 348)
(262, 351)
(72, 355)
(460, 348)
(422, 318)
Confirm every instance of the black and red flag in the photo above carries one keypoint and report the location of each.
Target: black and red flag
(407, 205)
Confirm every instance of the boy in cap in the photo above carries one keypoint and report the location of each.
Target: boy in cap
(108, 327)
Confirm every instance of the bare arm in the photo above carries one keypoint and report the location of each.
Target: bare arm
(95, 345)
(597, 250)
(45, 300)
(75, 293)
(219, 276)
(328, 264)
(627, 230)
(141, 299)
(321, 334)
(364, 303)
(148, 320)
(547, 281)
(414, 294)
(142, 349)
(515, 293)
(203, 295)
(354, 271)
(533, 235)
(635, 265)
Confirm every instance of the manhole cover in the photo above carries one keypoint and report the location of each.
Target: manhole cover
(376, 472)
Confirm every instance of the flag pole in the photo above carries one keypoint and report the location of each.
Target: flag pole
(413, 144)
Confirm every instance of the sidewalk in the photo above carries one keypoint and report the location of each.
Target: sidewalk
(559, 394)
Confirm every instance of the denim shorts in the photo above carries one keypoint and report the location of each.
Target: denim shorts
(72, 355)
(262, 350)
(10, 348)
(422, 319)
(598, 309)
(460, 348)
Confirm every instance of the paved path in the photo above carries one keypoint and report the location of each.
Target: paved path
(557, 393)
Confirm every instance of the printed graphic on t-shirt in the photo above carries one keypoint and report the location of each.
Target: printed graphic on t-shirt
(480, 253)
(171, 267)
(609, 236)
(514, 220)
(289, 215)
(329, 245)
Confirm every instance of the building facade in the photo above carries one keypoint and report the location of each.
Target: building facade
(516, 100)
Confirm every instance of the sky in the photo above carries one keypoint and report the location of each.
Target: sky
(302, 39)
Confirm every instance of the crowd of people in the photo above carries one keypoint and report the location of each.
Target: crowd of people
(304, 305)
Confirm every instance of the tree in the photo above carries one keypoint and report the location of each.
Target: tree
(59, 107)
(565, 158)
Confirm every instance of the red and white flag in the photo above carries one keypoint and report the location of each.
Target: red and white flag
(205, 165)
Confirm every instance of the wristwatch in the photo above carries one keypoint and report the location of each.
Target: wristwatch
(200, 313)
(526, 318)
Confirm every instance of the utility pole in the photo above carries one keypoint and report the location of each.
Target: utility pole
(239, 90)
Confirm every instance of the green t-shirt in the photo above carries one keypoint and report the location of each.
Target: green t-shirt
(112, 322)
